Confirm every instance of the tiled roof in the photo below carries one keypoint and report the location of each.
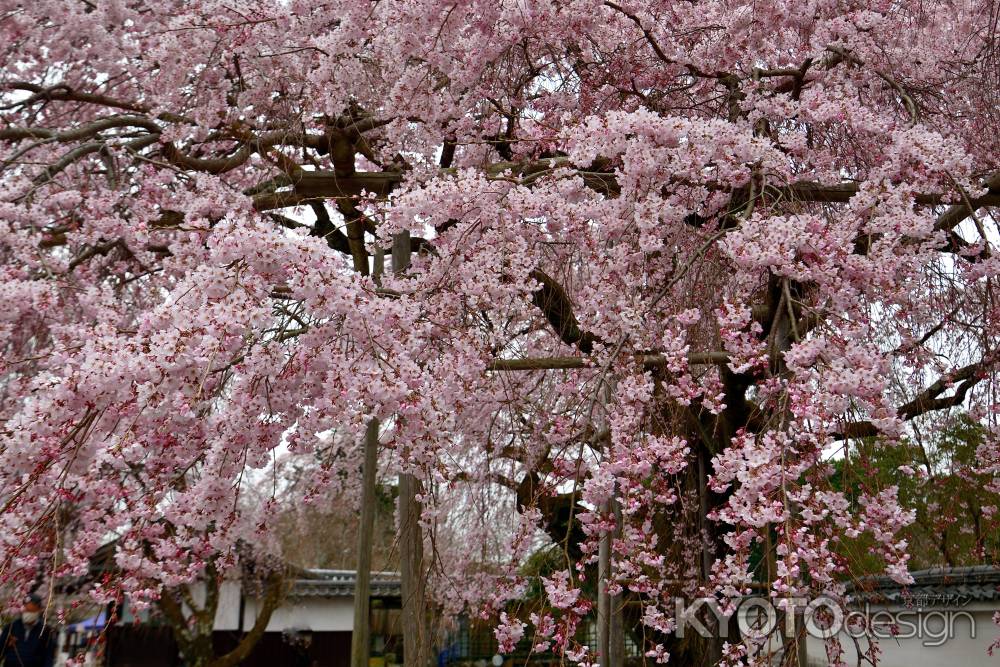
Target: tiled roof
(341, 583)
(954, 586)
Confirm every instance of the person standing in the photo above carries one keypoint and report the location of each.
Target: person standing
(27, 641)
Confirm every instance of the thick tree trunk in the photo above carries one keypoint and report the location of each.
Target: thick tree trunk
(366, 530)
(194, 637)
(199, 652)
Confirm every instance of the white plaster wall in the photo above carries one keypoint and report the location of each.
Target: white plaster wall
(316, 614)
(313, 613)
(228, 612)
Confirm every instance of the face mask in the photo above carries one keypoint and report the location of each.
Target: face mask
(30, 617)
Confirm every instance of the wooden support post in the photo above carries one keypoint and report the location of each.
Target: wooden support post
(416, 640)
(416, 631)
(401, 252)
(603, 597)
(616, 630)
(361, 636)
(378, 265)
(361, 630)
(713, 643)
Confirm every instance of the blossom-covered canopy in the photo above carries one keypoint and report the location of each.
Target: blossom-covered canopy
(669, 260)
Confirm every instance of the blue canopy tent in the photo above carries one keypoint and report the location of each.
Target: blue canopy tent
(95, 623)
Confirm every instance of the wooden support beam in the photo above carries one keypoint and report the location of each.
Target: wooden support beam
(562, 363)
(319, 185)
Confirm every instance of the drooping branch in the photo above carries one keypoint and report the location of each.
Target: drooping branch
(308, 186)
(77, 133)
(956, 213)
(249, 144)
(929, 400)
(651, 40)
(325, 229)
(64, 93)
(555, 304)
(911, 106)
